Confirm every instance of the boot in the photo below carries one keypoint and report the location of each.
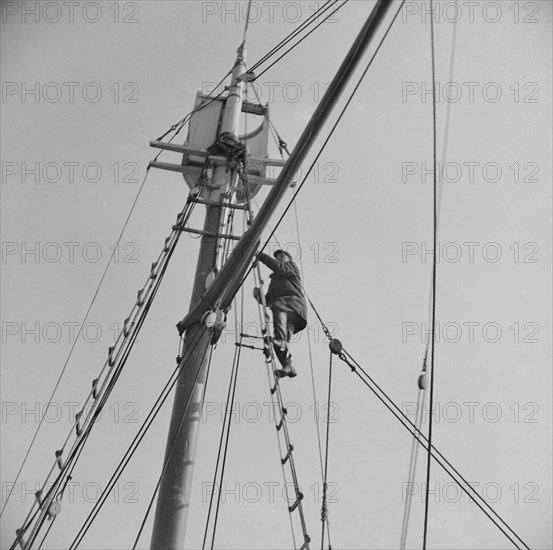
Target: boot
(289, 371)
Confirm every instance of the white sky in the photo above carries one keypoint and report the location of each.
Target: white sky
(357, 211)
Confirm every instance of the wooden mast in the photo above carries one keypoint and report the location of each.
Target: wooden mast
(176, 482)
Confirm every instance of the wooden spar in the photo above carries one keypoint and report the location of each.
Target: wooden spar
(175, 487)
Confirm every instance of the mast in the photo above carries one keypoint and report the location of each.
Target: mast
(176, 482)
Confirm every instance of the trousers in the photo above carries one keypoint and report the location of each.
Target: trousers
(285, 323)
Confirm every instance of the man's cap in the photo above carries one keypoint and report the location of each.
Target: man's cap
(283, 252)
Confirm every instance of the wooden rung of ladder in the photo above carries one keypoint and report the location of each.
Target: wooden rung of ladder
(59, 458)
(247, 346)
(78, 425)
(288, 454)
(206, 233)
(296, 503)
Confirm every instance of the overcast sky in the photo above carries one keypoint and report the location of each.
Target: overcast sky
(84, 88)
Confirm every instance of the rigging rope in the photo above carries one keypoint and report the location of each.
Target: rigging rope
(310, 355)
(228, 414)
(421, 392)
(447, 115)
(324, 511)
(442, 461)
(413, 458)
(47, 532)
(226, 426)
(434, 266)
(223, 431)
(293, 34)
(301, 40)
(317, 416)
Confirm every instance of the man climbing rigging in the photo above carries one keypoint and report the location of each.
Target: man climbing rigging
(287, 302)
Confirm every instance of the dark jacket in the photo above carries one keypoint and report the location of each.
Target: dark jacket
(285, 290)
